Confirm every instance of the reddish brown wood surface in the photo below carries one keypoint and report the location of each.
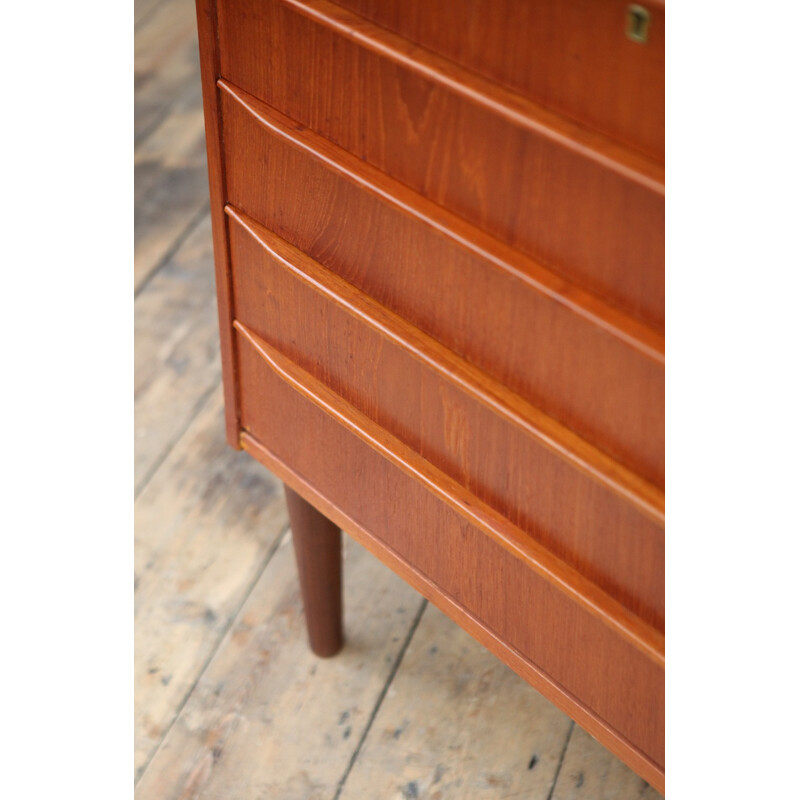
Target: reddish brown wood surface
(541, 560)
(494, 98)
(494, 446)
(567, 702)
(209, 72)
(573, 359)
(430, 352)
(593, 223)
(445, 223)
(444, 256)
(318, 553)
(578, 650)
(551, 51)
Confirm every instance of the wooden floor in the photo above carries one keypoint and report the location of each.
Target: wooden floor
(229, 703)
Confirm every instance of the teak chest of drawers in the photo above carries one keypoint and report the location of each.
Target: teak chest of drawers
(439, 243)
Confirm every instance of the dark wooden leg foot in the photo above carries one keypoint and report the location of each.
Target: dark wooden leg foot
(318, 551)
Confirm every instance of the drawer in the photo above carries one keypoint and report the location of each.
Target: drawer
(535, 623)
(573, 56)
(548, 484)
(440, 275)
(586, 208)
(596, 371)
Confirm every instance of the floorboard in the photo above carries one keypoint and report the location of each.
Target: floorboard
(142, 9)
(166, 60)
(176, 358)
(170, 186)
(205, 526)
(229, 702)
(268, 719)
(458, 723)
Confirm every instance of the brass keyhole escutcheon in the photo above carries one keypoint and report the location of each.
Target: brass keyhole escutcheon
(638, 23)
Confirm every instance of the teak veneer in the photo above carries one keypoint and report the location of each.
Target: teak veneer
(438, 234)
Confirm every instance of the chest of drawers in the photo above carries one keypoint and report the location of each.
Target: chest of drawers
(438, 234)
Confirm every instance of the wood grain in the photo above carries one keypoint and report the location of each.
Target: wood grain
(448, 417)
(458, 724)
(397, 196)
(533, 193)
(165, 62)
(486, 93)
(204, 526)
(141, 9)
(552, 51)
(209, 73)
(471, 449)
(170, 154)
(170, 185)
(265, 266)
(317, 544)
(337, 137)
(240, 736)
(565, 701)
(574, 647)
(564, 579)
(268, 719)
(556, 349)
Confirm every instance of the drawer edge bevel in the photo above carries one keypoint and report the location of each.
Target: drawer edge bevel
(505, 102)
(561, 697)
(524, 416)
(212, 113)
(513, 262)
(566, 579)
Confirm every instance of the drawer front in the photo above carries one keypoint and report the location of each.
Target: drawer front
(573, 56)
(553, 197)
(533, 335)
(424, 396)
(441, 311)
(573, 652)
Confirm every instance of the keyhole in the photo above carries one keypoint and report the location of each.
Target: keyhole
(638, 23)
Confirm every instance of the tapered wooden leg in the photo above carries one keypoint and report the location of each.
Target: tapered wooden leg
(318, 552)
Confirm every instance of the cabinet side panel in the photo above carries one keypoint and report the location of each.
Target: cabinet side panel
(209, 72)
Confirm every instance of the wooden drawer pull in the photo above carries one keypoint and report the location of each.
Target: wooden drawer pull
(501, 401)
(567, 580)
(504, 102)
(508, 259)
